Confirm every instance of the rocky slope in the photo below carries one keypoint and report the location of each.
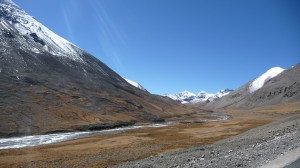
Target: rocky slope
(202, 97)
(48, 84)
(273, 87)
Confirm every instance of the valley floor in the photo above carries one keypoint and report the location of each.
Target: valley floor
(267, 146)
(212, 144)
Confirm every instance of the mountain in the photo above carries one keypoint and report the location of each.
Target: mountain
(48, 84)
(135, 84)
(274, 87)
(189, 97)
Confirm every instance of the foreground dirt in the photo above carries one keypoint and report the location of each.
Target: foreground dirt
(108, 150)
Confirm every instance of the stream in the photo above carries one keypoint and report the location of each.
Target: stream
(36, 140)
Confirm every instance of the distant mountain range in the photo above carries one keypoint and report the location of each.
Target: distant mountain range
(250, 95)
(189, 97)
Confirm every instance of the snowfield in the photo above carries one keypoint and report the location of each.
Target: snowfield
(260, 81)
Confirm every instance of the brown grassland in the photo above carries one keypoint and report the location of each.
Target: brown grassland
(107, 150)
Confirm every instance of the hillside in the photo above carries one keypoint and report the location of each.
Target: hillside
(48, 84)
(282, 88)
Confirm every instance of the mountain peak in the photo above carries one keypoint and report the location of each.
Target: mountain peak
(37, 37)
(261, 80)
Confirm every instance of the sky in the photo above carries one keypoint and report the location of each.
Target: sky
(169, 46)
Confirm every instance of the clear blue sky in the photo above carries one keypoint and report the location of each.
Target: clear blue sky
(173, 45)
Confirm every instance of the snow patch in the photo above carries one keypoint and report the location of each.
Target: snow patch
(186, 94)
(135, 84)
(260, 81)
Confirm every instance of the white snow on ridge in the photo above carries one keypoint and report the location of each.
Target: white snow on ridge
(8, 2)
(135, 84)
(260, 81)
(28, 26)
(186, 94)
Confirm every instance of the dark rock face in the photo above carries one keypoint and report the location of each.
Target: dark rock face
(281, 89)
(37, 39)
(43, 92)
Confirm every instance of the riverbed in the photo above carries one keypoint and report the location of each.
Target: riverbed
(36, 140)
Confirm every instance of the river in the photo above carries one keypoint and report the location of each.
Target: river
(35, 140)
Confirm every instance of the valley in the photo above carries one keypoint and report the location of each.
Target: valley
(156, 143)
(61, 106)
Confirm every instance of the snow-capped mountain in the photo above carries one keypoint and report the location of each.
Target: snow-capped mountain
(135, 84)
(189, 97)
(260, 81)
(275, 86)
(40, 38)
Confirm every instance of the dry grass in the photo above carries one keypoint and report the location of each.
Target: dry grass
(106, 150)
